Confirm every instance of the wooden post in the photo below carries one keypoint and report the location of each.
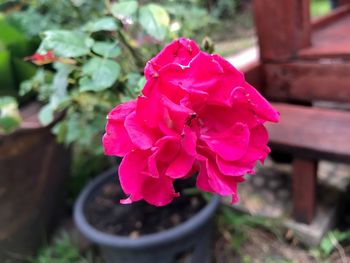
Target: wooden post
(283, 27)
(304, 179)
(343, 2)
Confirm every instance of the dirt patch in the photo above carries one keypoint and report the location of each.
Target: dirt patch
(106, 214)
(260, 246)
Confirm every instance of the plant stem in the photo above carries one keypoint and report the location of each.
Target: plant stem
(135, 54)
(108, 6)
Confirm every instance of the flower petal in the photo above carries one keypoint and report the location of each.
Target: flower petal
(120, 112)
(182, 164)
(159, 191)
(234, 168)
(179, 51)
(230, 144)
(141, 137)
(149, 111)
(202, 178)
(132, 176)
(211, 178)
(116, 140)
(262, 106)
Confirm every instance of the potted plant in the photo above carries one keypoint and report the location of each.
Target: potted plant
(197, 118)
(90, 58)
(142, 232)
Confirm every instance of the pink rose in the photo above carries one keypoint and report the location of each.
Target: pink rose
(197, 112)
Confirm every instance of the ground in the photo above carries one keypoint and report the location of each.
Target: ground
(256, 236)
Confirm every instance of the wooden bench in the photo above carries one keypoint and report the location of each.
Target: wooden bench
(303, 62)
(310, 134)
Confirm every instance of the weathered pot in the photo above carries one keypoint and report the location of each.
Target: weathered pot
(191, 237)
(33, 169)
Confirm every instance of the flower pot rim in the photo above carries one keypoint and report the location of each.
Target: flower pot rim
(30, 120)
(149, 240)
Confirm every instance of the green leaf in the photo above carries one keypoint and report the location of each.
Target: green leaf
(135, 83)
(102, 24)
(60, 130)
(155, 20)
(73, 128)
(58, 92)
(12, 39)
(10, 118)
(40, 79)
(60, 84)
(106, 49)
(46, 114)
(7, 79)
(103, 72)
(329, 241)
(86, 84)
(124, 9)
(66, 43)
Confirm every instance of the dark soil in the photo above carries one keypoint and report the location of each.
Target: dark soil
(105, 212)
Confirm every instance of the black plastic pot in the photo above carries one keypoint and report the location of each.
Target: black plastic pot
(192, 237)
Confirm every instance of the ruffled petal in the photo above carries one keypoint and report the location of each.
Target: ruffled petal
(231, 144)
(116, 140)
(258, 149)
(234, 168)
(120, 112)
(167, 148)
(210, 178)
(262, 107)
(179, 51)
(202, 177)
(231, 78)
(132, 175)
(182, 164)
(141, 137)
(159, 191)
(180, 167)
(149, 110)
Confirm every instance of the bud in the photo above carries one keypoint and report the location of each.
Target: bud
(208, 45)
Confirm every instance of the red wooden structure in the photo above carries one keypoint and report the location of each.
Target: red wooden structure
(303, 62)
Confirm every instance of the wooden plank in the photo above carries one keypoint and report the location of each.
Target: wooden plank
(331, 40)
(308, 81)
(334, 50)
(314, 133)
(343, 2)
(335, 15)
(304, 179)
(283, 27)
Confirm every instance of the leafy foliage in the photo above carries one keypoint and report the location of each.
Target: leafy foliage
(9, 115)
(100, 63)
(237, 224)
(66, 43)
(13, 46)
(124, 9)
(154, 20)
(61, 251)
(330, 242)
(52, 14)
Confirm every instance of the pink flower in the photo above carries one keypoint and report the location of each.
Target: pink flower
(197, 113)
